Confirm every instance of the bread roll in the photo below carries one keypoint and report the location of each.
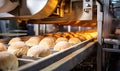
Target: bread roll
(2, 47)
(8, 62)
(82, 38)
(13, 40)
(93, 34)
(67, 36)
(48, 35)
(61, 46)
(76, 35)
(57, 35)
(65, 33)
(61, 39)
(74, 40)
(87, 36)
(37, 51)
(47, 42)
(33, 41)
(18, 49)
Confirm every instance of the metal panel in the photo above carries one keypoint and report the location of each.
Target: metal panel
(87, 10)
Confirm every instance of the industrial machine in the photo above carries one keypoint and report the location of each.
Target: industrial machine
(53, 16)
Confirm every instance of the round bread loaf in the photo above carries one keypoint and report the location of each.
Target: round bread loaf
(48, 35)
(38, 51)
(61, 46)
(57, 35)
(74, 40)
(18, 49)
(61, 39)
(8, 62)
(13, 40)
(82, 38)
(2, 47)
(33, 41)
(47, 42)
(93, 34)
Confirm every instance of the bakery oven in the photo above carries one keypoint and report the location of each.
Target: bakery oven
(66, 34)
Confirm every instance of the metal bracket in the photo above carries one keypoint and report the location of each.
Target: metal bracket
(87, 10)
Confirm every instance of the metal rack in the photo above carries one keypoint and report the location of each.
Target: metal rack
(104, 38)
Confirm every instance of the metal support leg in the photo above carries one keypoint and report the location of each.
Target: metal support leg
(100, 41)
(99, 58)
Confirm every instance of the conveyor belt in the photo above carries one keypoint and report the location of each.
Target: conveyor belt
(71, 60)
(46, 61)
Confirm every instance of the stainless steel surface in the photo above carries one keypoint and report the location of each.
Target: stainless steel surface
(6, 15)
(99, 57)
(107, 23)
(71, 60)
(69, 28)
(87, 10)
(111, 50)
(39, 9)
(112, 41)
(99, 22)
(44, 62)
(110, 46)
(18, 31)
(13, 34)
(7, 6)
(77, 12)
(100, 35)
(36, 5)
(42, 8)
(69, 11)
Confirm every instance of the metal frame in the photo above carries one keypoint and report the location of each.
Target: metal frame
(104, 31)
(100, 38)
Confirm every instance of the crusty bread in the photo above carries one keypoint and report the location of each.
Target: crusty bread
(33, 41)
(2, 47)
(8, 61)
(61, 39)
(37, 51)
(61, 46)
(93, 34)
(74, 40)
(18, 49)
(47, 42)
(87, 36)
(13, 40)
(57, 35)
(48, 35)
(82, 38)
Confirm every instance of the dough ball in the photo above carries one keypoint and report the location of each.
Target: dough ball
(37, 51)
(61, 46)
